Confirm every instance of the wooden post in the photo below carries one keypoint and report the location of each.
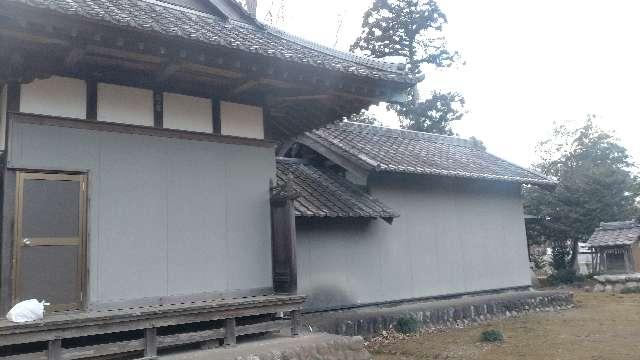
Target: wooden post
(92, 99)
(158, 109)
(627, 259)
(230, 332)
(283, 238)
(54, 349)
(295, 323)
(13, 97)
(150, 343)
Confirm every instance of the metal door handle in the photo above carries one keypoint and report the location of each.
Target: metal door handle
(26, 241)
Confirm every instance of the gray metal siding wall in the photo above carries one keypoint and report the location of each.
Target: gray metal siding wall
(452, 236)
(166, 216)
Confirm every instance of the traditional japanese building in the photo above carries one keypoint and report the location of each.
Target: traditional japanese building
(138, 142)
(387, 215)
(615, 247)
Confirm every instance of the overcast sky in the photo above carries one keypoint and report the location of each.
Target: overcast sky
(528, 64)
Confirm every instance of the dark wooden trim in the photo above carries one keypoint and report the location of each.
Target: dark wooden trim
(135, 129)
(158, 108)
(216, 116)
(13, 97)
(6, 249)
(92, 99)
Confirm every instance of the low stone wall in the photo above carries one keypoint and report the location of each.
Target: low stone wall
(373, 320)
(304, 347)
(616, 283)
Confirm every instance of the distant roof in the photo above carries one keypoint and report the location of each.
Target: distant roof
(230, 28)
(382, 149)
(615, 233)
(325, 194)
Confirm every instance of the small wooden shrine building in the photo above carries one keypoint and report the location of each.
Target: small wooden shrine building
(615, 247)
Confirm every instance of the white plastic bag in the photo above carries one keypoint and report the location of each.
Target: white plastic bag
(28, 310)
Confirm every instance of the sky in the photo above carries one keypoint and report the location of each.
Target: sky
(528, 64)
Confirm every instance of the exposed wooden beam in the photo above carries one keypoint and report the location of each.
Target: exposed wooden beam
(75, 55)
(247, 85)
(168, 70)
(302, 97)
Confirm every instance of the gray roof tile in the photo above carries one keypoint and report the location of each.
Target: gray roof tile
(166, 19)
(615, 233)
(325, 194)
(392, 150)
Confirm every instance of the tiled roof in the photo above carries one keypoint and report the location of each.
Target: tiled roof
(383, 149)
(156, 16)
(615, 233)
(324, 194)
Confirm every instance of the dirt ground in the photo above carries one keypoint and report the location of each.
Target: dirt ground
(602, 326)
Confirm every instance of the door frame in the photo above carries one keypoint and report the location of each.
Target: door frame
(21, 176)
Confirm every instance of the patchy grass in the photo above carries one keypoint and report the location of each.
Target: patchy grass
(602, 326)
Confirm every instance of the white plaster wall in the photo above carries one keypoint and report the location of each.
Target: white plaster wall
(241, 120)
(123, 104)
(57, 96)
(187, 113)
(452, 236)
(3, 114)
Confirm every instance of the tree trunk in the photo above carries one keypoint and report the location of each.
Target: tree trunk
(573, 259)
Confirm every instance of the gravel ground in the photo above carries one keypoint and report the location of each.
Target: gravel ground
(602, 326)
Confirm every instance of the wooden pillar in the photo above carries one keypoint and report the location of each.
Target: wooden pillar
(8, 196)
(230, 332)
(295, 323)
(627, 259)
(150, 343)
(13, 97)
(158, 108)
(216, 117)
(54, 349)
(283, 238)
(92, 99)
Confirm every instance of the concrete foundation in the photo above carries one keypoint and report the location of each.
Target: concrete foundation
(305, 347)
(616, 283)
(373, 320)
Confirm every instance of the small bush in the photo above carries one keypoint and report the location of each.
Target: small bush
(565, 276)
(492, 335)
(407, 325)
(631, 290)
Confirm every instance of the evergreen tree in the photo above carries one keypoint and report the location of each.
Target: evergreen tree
(594, 185)
(412, 30)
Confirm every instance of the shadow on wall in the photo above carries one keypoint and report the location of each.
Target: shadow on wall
(327, 297)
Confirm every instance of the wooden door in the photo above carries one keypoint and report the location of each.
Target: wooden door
(50, 239)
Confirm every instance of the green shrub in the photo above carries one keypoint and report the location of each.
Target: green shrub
(407, 325)
(492, 335)
(565, 276)
(631, 290)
